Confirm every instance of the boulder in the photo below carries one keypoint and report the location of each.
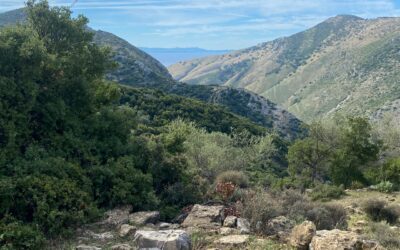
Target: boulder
(204, 217)
(100, 236)
(117, 216)
(122, 247)
(230, 221)
(227, 231)
(126, 229)
(143, 218)
(279, 225)
(243, 225)
(86, 247)
(234, 241)
(165, 240)
(164, 225)
(302, 235)
(337, 240)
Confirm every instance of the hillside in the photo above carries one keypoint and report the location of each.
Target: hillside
(345, 64)
(137, 68)
(134, 65)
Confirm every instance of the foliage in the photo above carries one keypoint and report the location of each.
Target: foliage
(17, 235)
(325, 192)
(339, 151)
(239, 179)
(328, 217)
(387, 237)
(384, 187)
(259, 207)
(378, 210)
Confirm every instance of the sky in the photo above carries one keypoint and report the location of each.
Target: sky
(213, 24)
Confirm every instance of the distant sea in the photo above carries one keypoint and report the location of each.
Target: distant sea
(169, 56)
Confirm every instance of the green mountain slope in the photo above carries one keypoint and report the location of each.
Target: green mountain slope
(345, 64)
(138, 69)
(134, 65)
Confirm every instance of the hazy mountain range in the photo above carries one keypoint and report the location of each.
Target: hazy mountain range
(169, 56)
(344, 64)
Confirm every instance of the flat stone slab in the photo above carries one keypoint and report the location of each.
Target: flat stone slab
(233, 240)
(164, 239)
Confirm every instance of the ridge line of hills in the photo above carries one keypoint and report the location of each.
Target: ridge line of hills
(138, 69)
(345, 64)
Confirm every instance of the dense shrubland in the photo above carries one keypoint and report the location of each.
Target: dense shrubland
(73, 145)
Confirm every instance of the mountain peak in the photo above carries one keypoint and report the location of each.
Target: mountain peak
(344, 17)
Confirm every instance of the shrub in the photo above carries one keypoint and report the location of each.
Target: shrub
(259, 207)
(384, 187)
(54, 204)
(326, 192)
(238, 178)
(386, 236)
(390, 214)
(378, 210)
(328, 217)
(16, 235)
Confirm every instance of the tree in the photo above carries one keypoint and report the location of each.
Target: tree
(309, 157)
(356, 149)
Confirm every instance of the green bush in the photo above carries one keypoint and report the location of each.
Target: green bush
(237, 178)
(326, 192)
(384, 187)
(378, 210)
(19, 236)
(328, 217)
(54, 204)
(259, 207)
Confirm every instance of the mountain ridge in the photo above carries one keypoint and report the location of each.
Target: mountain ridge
(310, 72)
(138, 69)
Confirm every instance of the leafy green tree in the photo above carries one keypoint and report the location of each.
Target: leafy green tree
(355, 151)
(309, 157)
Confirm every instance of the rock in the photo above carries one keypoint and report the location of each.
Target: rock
(302, 235)
(166, 240)
(126, 229)
(85, 247)
(337, 239)
(278, 225)
(204, 217)
(101, 236)
(230, 221)
(227, 231)
(122, 247)
(142, 218)
(243, 225)
(117, 216)
(164, 225)
(232, 241)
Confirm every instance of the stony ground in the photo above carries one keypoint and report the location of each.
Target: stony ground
(205, 227)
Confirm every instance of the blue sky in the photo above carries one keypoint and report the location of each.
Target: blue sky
(213, 24)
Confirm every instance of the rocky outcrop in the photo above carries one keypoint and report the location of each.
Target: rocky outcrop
(341, 240)
(86, 247)
(126, 230)
(234, 241)
(279, 225)
(302, 235)
(117, 216)
(204, 217)
(166, 240)
(122, 247)
(243, 225)
(230, 221)
(143, 218)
